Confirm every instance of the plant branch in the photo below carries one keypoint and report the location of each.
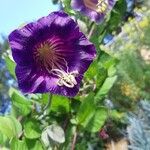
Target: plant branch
(74, 140)
(44, 113)
(91, 31)
(49, 102)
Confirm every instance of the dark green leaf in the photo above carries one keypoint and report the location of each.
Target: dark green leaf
(117, 15)
(60, 104)
(34, 144)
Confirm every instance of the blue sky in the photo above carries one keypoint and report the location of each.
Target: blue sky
(13, 13)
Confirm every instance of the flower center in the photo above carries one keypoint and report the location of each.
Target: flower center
(49, 57)
(101, 6)
(46, 53)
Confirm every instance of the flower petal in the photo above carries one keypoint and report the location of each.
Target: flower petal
(77, 5)
(93, 9)
(52, 55)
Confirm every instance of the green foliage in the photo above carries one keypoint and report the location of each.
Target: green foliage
(86, 110)
(97, 121)
(10, 126)
(20, 103)
(34, 144)
(26, 144)
(67, 7)
(117, 15)
(17, 144)
(60, 104)
(3, 139)
(32, 129)
(107, 85)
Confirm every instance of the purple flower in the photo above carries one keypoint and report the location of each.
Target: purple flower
(94, 9)
(51, 54)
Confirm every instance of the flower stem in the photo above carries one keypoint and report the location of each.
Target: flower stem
(74, 140)
(91, 31)
(49, 102)
(44, 112)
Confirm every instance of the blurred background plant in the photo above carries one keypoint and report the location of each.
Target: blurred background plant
(138, 130)
(97, 118)
(6, 80)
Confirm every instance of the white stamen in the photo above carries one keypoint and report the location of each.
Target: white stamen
(65, 78)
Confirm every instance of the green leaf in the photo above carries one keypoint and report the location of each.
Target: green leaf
(107, 85)
(20, 102)
(17, 144)
(117, 15)
(117, 115)
(67, 7)
(10, 66)
(97, 121)
(60, 104)
(86, 110)
(101, 76)
(34, 144)
(10, 126)
(32, 129)
(44, 99)
(92, 71)
(106, 60)
(111, 71)
(3, 139)
(4, 148)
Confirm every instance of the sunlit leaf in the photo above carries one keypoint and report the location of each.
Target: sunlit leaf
(97, 121)
(86, 110)
(10, 127)
(17, 144)
(105, 88)
(3, 139)
(20, 102)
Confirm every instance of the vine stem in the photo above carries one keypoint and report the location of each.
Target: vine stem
(44, 113)
(91, 31)
(49, 102)
(74, 140)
